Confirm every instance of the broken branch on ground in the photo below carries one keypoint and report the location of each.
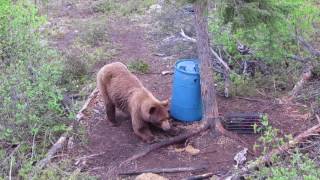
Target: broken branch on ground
(166, 170)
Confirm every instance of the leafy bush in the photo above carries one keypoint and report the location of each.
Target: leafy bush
(293, 166)
(268, 27)
(30, 110)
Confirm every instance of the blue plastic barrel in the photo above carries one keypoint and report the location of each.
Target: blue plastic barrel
(186, 102)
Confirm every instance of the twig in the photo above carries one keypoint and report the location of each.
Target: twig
(166, 170)
(187, 37)
(10, 171)
(199, 177)
(90, 156)
(252, 99)
(318, 118)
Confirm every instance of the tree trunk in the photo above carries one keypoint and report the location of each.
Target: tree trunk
(210, 106)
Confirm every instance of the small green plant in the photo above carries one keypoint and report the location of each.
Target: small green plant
(138, 66)
(270, 137)
(94, 34)
(105, 6)
(242, 85)
(294, 166)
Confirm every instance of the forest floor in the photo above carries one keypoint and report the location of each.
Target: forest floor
(131, 40)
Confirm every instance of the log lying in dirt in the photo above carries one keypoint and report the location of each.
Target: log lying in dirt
(56, 147)
(282, 149)
(199, 177)
(166, 170)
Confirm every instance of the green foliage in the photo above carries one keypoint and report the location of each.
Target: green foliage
(30, 95)
(138, 66)
(295, 166)
(62, 170)
(268, 27)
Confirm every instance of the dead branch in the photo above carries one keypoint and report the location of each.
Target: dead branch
(205, 126)
(63, 138)
(308, 47)
(284, 148)
(188, 38)
(168, 142)
(305, 77)
(11, 154)
(318, 118)
(52, 151)
(89, 156)
(166, 170)
(92, 96)
(300, 59)
(199, 177)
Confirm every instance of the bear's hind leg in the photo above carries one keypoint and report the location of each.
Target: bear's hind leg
(111, 114)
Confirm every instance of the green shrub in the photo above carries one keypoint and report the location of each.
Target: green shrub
(30, 97)
(292, 166)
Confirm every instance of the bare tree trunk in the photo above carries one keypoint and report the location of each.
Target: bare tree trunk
(210, 106)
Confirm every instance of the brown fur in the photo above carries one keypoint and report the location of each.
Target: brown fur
(123, 90)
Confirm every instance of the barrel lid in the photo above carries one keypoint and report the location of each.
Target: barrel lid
(188, 66)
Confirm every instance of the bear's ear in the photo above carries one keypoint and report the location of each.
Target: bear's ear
(165, 102)
(152, 110)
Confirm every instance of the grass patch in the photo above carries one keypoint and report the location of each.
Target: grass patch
(138, 66)
(123, 8)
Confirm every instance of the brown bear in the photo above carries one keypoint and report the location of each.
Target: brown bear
(123, 90)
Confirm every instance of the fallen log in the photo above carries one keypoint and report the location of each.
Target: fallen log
(166, 170)
(200, 177)
(58, 145)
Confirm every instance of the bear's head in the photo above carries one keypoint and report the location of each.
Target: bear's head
(156, 112)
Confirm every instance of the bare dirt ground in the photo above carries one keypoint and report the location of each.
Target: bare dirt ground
(115, 144)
